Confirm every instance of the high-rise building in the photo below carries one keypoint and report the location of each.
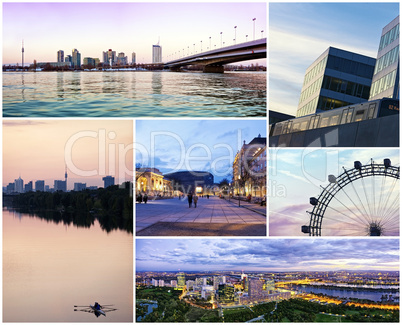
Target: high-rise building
(226, 292)
(10, 188)
(108, 181)
(181, 280)
(156, 54)
(19, 185)
(337, 78)
(89, 62)
(133, 61)
(40, 186)
(28, 187)
(60, 56)
(80, 187)
(60, 186)
(122, 59)
(68, 58)
(386, 73)
(109, 57)
(22, 54)
(255, 287)
(76, 59)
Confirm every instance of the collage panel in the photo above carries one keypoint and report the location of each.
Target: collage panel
(334, 82)
(267, 280)
(160, 60)
(201, 177)
(334, 192)
(67, 220)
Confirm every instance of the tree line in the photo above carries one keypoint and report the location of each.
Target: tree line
(111, 206)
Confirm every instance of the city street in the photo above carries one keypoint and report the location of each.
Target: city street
(212, 217)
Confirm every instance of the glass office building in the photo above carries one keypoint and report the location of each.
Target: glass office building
(337, 78)
(386, 72)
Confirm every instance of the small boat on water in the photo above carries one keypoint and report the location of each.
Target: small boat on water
(96, 309)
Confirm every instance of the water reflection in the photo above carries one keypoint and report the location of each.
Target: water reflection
(135, 94)
(48, 268)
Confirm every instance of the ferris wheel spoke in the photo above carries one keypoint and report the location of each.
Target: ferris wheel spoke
(385, 205)
(362, 216)
(353, 219)
(393, 212)
(392, 207)
(394, 219)
(361, 203)
(366, 196)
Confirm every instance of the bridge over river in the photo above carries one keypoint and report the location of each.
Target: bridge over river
(214, 60)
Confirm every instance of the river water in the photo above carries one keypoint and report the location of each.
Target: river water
(48, 268)
(374, 295)
(134, 94)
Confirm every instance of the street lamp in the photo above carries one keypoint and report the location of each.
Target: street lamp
(194, 48)
(221, 39)
(201, 46)
(254, 28)
(262, 33)
(235, 34)
(246, 37)
(210, 42)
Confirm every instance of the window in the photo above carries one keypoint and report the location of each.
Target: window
(371, 111)
(359, 115)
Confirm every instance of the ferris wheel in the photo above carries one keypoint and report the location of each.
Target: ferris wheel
(361, 201)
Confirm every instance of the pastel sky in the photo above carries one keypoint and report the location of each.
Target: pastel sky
(300, 32)
(199, 145)
(125, 27)
(91, 149)
(295, 175)
(266, 254)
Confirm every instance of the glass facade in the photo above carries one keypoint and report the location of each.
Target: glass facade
(389, 37)
(351, 67)
(345, 77)
(386, 73)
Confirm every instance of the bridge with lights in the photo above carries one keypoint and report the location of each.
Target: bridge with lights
(214, 60)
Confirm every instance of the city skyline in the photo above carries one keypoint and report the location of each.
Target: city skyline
(299, 35)
(295, 175)
(194, 145)
(266, 255)
(91, 149)
(138, 26)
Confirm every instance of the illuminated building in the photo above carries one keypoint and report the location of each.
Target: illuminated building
(152, 182)
(181, 280)
(249, 168)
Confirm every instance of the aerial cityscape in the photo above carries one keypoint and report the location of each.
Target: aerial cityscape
(207, 281)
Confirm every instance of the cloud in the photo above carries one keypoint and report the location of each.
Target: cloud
(274, 254)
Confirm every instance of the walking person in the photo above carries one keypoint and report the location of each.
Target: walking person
(190, 199)
(145, 198)
(195, 200)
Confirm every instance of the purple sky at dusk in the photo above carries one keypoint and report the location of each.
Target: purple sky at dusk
(266, 254)
(125, 27)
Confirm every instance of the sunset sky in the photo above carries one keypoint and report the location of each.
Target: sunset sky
(40, 150)
(299, 32)
(95, 27)
(266, 254)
